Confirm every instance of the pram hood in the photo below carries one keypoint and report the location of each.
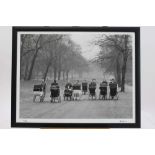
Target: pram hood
(38, 88)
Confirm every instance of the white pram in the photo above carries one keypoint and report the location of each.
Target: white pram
(77, 92)
(39, 90)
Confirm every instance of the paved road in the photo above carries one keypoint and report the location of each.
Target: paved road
(77, 109)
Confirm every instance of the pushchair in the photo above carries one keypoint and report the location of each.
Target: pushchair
(39, 90)
(84, 88)
(77, 93)
(92, 91)
(113, 91)
(103, 91)
(55, 93)
(68, 92)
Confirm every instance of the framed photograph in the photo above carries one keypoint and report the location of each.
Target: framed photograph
(76, 77)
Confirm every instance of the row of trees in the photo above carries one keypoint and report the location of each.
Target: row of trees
(50, 55)
(115, 52)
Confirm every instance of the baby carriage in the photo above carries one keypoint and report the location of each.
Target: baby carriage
(92, 90)
(39, 90)
(55, 93)
(68, 92)
(77, 93)
(84, 87)
(103, 90)
(113, 91)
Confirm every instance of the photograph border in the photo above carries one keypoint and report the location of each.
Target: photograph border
(137, 123)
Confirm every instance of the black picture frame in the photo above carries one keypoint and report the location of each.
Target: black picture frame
(137, 123)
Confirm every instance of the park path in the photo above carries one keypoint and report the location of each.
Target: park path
(84, 108)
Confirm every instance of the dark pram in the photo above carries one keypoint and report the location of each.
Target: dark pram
(103, 90)
(113, 90)
(84, 87)
(55, 93)
(68, 92)
(92, 90)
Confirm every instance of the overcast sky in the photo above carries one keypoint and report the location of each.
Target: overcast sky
(89, 50)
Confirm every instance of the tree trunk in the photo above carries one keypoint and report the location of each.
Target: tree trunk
(125, 57)
(63, 75)
(118, 72)
(80, 75)
(123, 74)
(50, 74)
(34, 58)
(46, 71)
(21, 54)
(22, 46)
(59, 71)
(26, 71)
(32, 65)
(67, 75)
(72, 75)
(59, 74)
(55, 73)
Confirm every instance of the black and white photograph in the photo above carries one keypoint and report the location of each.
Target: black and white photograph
(75, 77)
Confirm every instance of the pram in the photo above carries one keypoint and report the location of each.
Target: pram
(84, 87)
(77, 93)
(113, 91)
(103, 90)
(39, 90)
(92, 90)
(68, 92)
(55, 93)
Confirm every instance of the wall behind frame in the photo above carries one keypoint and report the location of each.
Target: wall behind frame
(147, 76)
(5, 76)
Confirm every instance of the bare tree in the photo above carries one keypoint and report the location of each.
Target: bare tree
(37, 48)
(54, 53)
(116, 49)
